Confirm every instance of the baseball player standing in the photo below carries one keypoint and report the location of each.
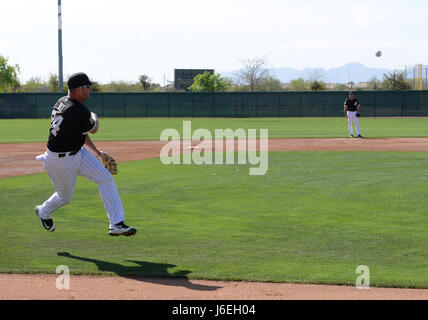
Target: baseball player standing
(352, 110)
(69, 154)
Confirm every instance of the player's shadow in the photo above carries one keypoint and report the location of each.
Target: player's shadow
(146, 272)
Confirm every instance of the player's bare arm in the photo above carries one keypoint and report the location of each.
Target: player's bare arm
(91, 146)
(95, 119)
(88, 141)
(107, 160)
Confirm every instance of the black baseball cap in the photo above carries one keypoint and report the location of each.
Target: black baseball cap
(77, 80)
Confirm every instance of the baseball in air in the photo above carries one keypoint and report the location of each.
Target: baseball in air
(378, 54)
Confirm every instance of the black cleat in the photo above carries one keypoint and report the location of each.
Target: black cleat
(48, 224)
(121, 229)
(360, 136)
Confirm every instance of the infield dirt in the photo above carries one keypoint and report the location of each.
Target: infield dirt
(34, 287)
(19, 158)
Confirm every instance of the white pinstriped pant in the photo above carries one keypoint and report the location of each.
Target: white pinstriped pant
(63, 173)
(352, 116)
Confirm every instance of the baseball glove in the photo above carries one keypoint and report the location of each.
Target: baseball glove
(108, 162)
(358, 114)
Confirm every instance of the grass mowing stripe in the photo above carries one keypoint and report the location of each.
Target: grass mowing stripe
(313, 218)
(37, 130)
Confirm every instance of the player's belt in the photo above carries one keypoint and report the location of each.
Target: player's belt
(71, 153)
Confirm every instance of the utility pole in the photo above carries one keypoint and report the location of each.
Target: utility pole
(60, 70)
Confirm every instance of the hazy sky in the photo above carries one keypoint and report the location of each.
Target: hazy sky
(120, 40)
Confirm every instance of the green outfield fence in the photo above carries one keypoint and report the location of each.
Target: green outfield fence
(223, 104)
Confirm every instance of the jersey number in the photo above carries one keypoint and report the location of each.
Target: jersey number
(55, 123)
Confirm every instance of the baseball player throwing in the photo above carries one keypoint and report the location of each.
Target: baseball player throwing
(352, 110)
(69, 154)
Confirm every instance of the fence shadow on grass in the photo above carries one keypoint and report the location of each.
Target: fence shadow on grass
(146, 272)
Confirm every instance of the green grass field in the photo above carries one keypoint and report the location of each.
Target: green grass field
(313, 218)
(36, 130)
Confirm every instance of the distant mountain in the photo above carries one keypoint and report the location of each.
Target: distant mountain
(355, 72)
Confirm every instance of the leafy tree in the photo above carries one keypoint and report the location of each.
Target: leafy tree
(53, 82)
(299, 84)
(208, 81)
(374, 84)
(341, 87)
(317, 86)
(396, 80)
(156, 87)
(254, 73)
(271, 84)
(96, 87)
(8, 76)
(121, 86)
(145, 82)
(34, 84)
(238, 88)
(315, 81)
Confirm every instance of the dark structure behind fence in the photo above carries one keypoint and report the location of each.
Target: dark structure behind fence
(223, 104)
(184, 78)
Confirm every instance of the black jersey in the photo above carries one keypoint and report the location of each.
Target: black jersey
(352, 104)
(71, 121)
